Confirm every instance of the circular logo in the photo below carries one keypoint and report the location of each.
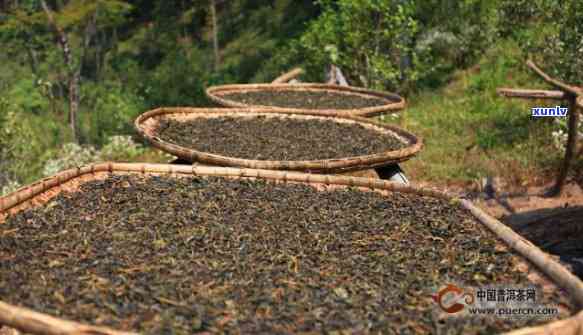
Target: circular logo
(458, 294)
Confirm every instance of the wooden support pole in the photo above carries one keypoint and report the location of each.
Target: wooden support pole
(574, 97)
(573, 121)
(286, 77)
(556, 83)
(32, 322)
(530, 94)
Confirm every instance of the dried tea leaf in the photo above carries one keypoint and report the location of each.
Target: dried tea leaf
(279, 138)
(304, 99)
(190, 254)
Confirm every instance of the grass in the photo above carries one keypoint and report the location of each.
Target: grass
(470, 132)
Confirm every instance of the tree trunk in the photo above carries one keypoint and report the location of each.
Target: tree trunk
(90, 31)
(73, 74)
(74, 104)
(32, 57)
(213, 10)
(98, 58)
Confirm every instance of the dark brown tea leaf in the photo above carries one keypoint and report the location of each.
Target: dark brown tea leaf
(304, 99)
(274, 138)
(187, 255)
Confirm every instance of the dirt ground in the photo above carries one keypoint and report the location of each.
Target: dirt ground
(554, 224)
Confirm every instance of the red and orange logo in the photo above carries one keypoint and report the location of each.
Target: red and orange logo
(449, 303)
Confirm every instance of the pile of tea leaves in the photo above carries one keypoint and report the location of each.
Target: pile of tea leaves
(276, 138)
(193, 254)
(304, 99)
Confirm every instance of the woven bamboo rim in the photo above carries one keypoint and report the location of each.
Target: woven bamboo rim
(394, 102)
(42, 191)
(146, 124)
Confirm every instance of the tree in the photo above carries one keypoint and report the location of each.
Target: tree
(74, 24)
(367, 39)
(22, 29)
(563, 46)
(80, 15)
(395, 44)
(72, 72)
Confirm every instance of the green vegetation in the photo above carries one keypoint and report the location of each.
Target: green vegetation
(79, 71)
(472, 133)
(125, 58)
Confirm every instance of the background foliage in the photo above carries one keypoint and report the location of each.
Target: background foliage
(141, 54)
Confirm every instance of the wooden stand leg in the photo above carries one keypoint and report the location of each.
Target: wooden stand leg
(392, 173)
(180, 161)
(574, 96)
(570, 150)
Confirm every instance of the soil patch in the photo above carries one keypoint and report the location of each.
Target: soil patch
(558, 231)
(554, 224)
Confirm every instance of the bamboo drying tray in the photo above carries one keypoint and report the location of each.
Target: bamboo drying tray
(36, 194)
(394, 103)
(146, 125)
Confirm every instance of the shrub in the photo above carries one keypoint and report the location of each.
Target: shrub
(26, 139)
(549, 31)
(179, 80)
(113, 110)
(396, 45)
(120, 148)
(563, 47)
(560, 134)
(369, 40)
(9, 187)
(71, 155)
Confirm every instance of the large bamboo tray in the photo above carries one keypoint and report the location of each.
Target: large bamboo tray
(146, 125)
(28, 321)
(394, 103)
